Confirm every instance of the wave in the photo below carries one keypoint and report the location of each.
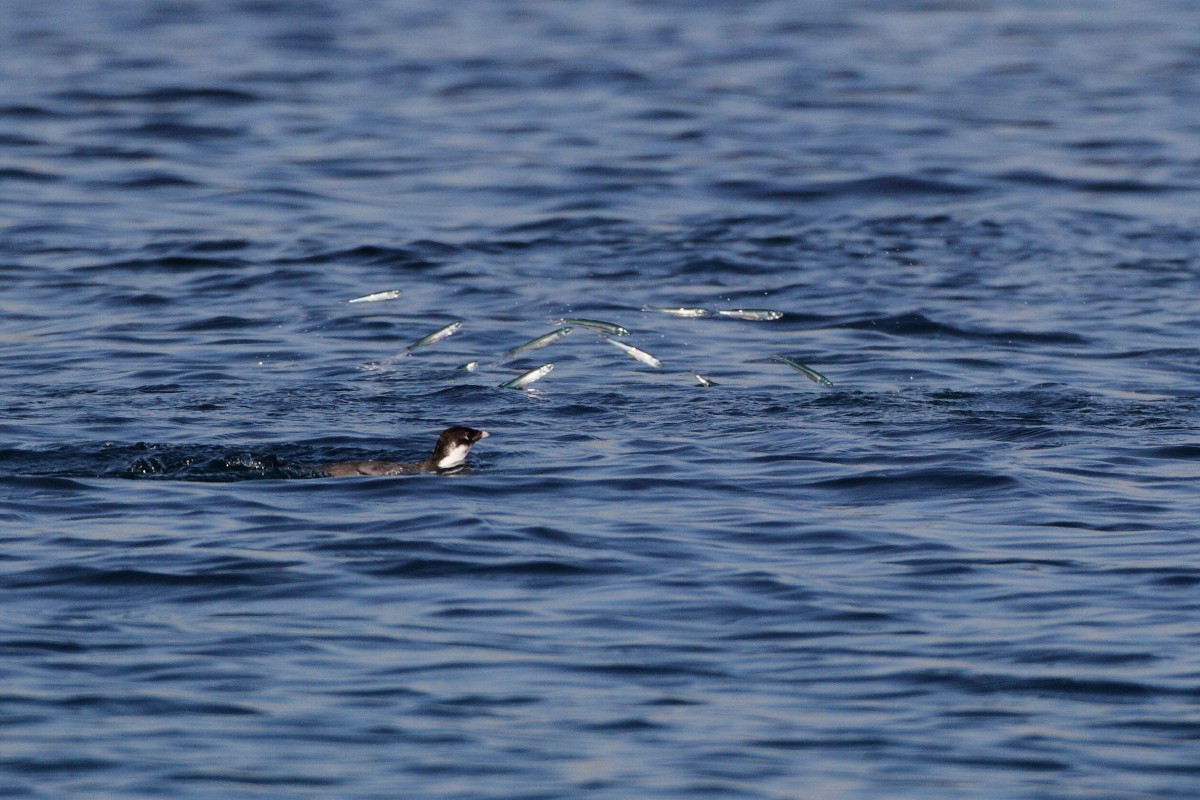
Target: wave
(917, 324)
(888, 187)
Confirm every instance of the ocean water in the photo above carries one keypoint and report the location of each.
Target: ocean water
(968, 568)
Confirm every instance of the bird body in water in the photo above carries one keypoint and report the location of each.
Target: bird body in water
(449, 455)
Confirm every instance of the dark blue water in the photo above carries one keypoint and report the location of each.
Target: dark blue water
(970, 568)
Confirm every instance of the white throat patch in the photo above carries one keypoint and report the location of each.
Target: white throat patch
(456, 456)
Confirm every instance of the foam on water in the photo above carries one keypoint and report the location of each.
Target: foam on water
(968, 568)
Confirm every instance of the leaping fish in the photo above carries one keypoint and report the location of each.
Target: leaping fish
(375, 297)
(521, 381)
(535, 344)
(640, 355)
(435, 337)
(701, 380)
(597, 325)
(678, 312)
(807, 372)
(753, 314)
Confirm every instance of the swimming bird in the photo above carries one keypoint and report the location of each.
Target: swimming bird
(449, 455)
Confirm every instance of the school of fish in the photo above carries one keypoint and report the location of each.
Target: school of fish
(606, 331)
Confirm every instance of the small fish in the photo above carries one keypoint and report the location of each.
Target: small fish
(628, 349)
(436, 336)
(703, 381)
(470, 366)
(535, 344)
(678, 312)
(534, 374)
(597, 325)
(755, 314)
(807, 372)
(375, 297)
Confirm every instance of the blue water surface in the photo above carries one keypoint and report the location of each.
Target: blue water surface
(968, 568)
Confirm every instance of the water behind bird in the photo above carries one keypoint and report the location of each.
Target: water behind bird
(968, 571)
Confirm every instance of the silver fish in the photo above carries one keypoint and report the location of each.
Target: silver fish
(597, 325)
(678, 312)
(436, 336)
(470, 366)
(755, 314)
(375, 297)
(703, 381)
(534, 374)
(535, 344)
(628, 349)
(807, 372)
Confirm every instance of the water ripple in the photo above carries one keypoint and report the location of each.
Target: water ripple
(966, 569)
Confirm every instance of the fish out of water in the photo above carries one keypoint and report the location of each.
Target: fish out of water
(470, 366)
(375, 297)
(635, 352)
(535, 374)
(597, 325)
(754, 314)
(807, 372)
(678, 311)
(703, 381)
(449, 455)
(435, 337)
(535, 344)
